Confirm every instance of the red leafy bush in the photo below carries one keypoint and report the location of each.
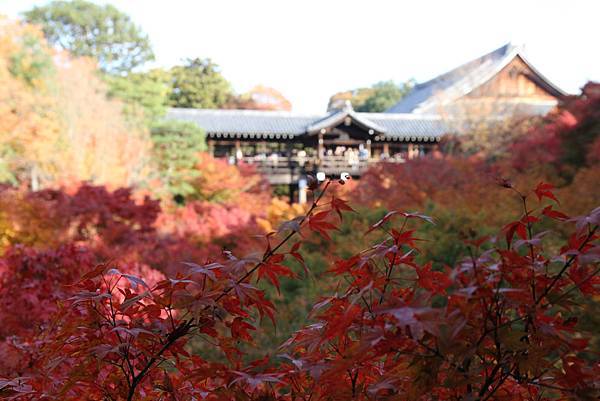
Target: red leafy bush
(91, 214)
(115, 225)
(568, 139)
(33, 283)
(50, 238)
(453, 181)
(500, 325)
(211, 226)
(231, 184)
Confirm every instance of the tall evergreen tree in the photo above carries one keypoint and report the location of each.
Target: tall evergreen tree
(87, 29)
(199, 84)
(175, 153)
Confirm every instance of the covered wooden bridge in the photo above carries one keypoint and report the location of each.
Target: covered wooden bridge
(285, 146)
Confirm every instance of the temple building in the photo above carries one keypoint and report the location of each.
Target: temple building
(287, 145)
(499, 83)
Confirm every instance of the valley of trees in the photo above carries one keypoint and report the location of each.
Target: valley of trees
(134, 266)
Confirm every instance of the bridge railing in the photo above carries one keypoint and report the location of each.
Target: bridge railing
(328, 164)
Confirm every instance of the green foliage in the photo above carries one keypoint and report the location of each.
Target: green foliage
(87, 29)
(145, 92)
(176, 147)
(199, 84)
(445, 243)
(378, 98)
(31, 62)
(7, 173)
(384, 95)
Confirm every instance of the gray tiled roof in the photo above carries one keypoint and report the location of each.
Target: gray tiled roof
(263, 123)
(245, 121)
(409, 125)
(428, 96)
(503, 110)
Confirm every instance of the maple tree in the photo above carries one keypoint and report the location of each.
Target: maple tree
(48, 238)
(501, 324)
(98, 143)
(26, 116)
(220, 182)
(57, 124)
(567, 140)
(481, 330)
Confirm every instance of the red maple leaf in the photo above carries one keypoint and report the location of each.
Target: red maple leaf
(545, 190)
(272, 271)
(517, 227)
(318, 224)
(340, 205)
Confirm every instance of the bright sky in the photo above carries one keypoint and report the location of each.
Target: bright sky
(310, 49)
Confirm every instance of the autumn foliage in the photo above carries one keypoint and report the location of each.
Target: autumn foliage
(489, 292)
(501, 324)
(56, 123)
(568, 139)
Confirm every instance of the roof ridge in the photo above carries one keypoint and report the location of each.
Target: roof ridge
(505, 49)
(317, 117)
(459, 81)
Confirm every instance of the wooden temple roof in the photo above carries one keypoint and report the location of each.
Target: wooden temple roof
(415, 118)
(289, 125)
(427, 97)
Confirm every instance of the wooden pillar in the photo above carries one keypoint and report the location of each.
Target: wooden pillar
(211, 147)
(386, 149)
(369, 148)
(411, 151)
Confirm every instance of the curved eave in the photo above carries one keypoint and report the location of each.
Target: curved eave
(378, 137)
(339, 117)
(551, 87)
